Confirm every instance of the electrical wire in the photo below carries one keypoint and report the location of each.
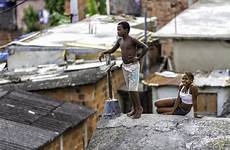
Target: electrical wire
(8, 9)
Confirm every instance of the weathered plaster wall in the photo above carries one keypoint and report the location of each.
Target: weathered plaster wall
(192, 55)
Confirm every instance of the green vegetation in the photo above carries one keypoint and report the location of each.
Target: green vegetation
(31, 19)
(102, 7)
(57, 10)
(55, 6)
(96, 7)
(57, 17)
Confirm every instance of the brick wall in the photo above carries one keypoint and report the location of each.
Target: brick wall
(82, 4)
(72, 139)
(93, 96)
(7, 36)
(164, 10)
(130, 7)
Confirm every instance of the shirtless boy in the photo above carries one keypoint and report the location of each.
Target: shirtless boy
(131, 66)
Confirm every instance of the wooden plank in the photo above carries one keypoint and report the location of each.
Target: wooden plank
(207, 103)
(201, 103)
(212, 103)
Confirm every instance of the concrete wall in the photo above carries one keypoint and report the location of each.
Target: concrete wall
(92, 96)
(22, 59)
(192, 55)
(164, 92)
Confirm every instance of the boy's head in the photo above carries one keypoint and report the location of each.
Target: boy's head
(123, 28)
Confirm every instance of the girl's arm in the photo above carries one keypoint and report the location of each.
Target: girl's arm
(194, 91)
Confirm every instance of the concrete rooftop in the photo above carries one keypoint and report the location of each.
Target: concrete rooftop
(206, 19)
(162, 132)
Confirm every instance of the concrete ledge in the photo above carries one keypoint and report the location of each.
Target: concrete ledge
(161, 132)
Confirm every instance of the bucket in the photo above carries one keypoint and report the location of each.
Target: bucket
(111, 109)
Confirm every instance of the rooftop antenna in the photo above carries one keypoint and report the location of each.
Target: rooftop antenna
(107, 7)
(175, 22)
(146, 60)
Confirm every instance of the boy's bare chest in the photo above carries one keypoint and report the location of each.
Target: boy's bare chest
(126, 44)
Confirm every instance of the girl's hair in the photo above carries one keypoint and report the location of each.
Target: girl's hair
(190, 75)
(125, 25)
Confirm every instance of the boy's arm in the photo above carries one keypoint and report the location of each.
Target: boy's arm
(142, 46)
(109, 51)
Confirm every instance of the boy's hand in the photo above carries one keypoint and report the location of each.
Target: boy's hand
(101, 55)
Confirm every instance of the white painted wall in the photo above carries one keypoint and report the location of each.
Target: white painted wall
(192, 55)
(163, 92)
(22, 59)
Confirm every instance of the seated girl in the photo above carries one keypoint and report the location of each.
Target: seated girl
(187, 97)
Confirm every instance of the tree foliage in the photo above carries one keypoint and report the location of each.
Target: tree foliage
(55, 6)
(96, 7)
(31, 19)
(102, 7)
(57, 10)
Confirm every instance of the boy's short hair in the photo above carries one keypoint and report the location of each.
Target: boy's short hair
(125, 25)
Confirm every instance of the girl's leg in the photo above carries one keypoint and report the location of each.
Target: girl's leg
(165, 106)
(165, 102)
(165, 110)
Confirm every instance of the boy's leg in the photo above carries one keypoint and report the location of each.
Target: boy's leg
(133, 87)
(126, 77)
(137, 104)
(132, 81)
(132, 112)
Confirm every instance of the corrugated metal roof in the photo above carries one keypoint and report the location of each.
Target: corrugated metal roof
(159, 79)
(215, 78)
(29, 120)
(206, 19)
(54, 76)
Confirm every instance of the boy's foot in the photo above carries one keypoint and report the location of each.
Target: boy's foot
(138, 113)
(131, 113)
